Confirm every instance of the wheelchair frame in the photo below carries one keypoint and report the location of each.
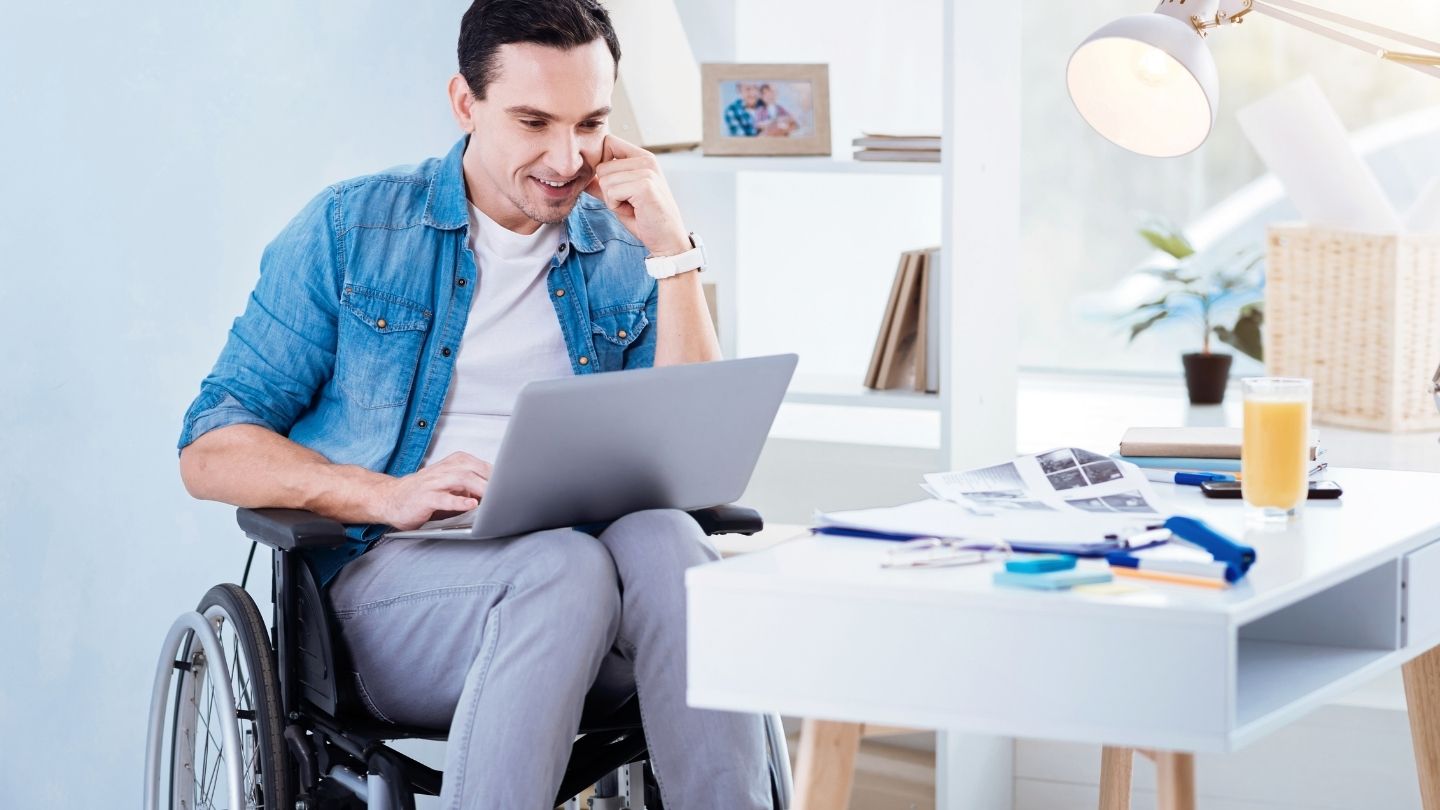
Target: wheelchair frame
(337, 753)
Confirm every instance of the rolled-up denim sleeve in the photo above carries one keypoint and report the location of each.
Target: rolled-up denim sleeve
(641, 353)
(281, 350)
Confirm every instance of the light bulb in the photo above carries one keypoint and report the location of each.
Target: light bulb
(1154, 67)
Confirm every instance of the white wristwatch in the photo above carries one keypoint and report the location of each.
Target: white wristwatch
(667, 266)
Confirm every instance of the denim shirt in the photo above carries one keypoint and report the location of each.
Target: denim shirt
(348, 342)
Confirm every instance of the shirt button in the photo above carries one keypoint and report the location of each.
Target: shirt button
(461, 282)
(559, 293)
(422, 423)
(380, 323)
(445, 351)
(584, 361)
(620, 334)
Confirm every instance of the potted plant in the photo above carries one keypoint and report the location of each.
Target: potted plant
(1201, 290)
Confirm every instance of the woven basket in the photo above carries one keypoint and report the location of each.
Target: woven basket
(1359, 314)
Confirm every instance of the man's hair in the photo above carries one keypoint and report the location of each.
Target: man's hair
(564, 24)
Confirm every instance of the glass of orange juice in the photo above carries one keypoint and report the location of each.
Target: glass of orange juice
(1275, 450)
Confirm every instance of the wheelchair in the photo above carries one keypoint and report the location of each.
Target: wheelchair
(242, 717)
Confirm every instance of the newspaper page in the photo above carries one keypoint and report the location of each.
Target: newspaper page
(1067, 480)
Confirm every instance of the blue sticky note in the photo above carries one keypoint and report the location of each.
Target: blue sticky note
(1039, 563)
(1052, 580)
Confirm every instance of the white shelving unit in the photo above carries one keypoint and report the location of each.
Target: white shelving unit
(826, 164)
(980, 240)
(845, 391)
(979, 232)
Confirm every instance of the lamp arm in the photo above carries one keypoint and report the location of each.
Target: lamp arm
(1350, 22)
(1428, 64)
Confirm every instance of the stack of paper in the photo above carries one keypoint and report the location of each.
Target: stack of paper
(878, 146)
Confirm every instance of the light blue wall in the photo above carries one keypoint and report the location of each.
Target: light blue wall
(147, 153)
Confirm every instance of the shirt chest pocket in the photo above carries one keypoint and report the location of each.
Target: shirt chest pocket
(380, 339)
(615, 328)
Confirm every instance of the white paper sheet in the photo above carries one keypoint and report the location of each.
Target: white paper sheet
(1301, 140)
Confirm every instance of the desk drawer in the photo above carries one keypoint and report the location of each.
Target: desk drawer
(1422, 596)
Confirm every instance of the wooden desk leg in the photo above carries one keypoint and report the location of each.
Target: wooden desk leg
(1175, 780)
(1116, 765)
(825, 764)
(1422, 698)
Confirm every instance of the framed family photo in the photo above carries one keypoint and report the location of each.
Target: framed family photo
(766, 109)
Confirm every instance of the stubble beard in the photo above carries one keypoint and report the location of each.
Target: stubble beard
(546, 212)
(543, 212)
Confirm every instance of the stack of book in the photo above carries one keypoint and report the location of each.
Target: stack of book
(1195, 449)
(907, 346)
(878, 146)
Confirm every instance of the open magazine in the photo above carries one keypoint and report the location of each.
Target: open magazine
(1066, 480)
(1060, 497)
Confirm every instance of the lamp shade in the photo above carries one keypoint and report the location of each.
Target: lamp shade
(1147, 83)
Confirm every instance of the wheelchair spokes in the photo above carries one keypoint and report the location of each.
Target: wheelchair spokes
(224, 709)
(199, 780)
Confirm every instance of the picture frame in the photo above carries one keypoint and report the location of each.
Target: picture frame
(765, 109)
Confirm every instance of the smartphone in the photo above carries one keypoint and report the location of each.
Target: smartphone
(1231, 489)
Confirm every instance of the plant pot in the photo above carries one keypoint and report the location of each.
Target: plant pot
(1206, 376)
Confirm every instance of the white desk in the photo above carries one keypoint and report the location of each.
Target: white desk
(815, 628)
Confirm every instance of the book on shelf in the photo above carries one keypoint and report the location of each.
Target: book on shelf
(906, 353)
(923, 144)
(894, 155)
(897, 146)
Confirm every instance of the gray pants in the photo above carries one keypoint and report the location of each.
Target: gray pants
(502, 640)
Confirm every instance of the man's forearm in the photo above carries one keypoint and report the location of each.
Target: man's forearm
(687, 335)
(251, 466)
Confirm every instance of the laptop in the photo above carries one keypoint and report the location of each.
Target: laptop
(596, 447)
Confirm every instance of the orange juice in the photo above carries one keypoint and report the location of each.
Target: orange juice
(1275, 451)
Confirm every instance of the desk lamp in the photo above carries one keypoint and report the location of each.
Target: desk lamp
(1148, 83)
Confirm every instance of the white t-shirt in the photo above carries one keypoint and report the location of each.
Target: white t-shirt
(511, 337)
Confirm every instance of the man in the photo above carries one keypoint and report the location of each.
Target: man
(369, 380)
(740, 114)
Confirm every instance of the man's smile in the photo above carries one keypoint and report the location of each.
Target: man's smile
(556, 189)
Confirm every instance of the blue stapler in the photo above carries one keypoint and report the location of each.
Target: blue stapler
(1237, 557)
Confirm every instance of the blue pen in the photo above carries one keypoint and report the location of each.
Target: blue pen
(1193, 479)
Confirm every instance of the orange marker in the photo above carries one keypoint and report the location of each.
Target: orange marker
(1174, 579)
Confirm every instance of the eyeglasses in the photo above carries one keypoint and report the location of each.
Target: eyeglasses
(944, 552)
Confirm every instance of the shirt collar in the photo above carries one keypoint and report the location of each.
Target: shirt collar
(447, 207)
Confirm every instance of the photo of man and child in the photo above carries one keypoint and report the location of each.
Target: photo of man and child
(767, 109)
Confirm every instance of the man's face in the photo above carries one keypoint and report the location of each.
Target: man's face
(539, 131)
(750, 93)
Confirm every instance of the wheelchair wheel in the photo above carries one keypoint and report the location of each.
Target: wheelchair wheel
(200, 760)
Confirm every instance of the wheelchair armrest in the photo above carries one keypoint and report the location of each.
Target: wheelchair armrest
(728, 519)
(290, 529)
